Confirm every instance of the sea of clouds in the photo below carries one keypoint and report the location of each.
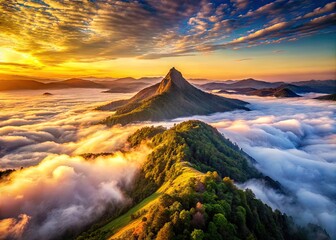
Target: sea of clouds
(292, 140)
(32, 125)
(58, 190)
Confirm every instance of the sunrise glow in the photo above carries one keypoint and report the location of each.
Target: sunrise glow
(228, 40)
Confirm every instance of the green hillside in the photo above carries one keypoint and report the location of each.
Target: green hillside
(186, 190)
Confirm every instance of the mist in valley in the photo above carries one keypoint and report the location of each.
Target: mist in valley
(292, 140)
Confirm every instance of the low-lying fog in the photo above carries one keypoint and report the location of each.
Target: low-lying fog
(293, 141)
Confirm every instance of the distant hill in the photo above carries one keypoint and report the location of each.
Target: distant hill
(214, 85)
(171, 98)
(298, 89)
(245, 83)
(126, 87)
(35, 85)
(77, 83)
(186, 190)
(279, 92)
(329, 97)
(128, 84)
(252, 83)
(21, 85)
(326, 86)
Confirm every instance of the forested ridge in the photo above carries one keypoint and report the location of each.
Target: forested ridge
(186, 190)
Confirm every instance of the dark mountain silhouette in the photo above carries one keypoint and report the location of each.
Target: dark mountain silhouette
(326, 86)
(75, 83)
(329, 97)
(252, 83)
(298, 89)
(171, 98)
(21, 85)
(279, 92)
(126, 87)
(35, 85)
(245, 83)
(128, 84)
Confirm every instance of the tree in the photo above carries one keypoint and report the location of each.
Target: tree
(166, 232)
(212, 232)
(185, 217)
(197, 234)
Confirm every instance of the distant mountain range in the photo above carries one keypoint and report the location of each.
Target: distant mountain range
(121, 85)
(173, 97)
(279, 92)
(35, 85)
(129, 84)
(326, 86)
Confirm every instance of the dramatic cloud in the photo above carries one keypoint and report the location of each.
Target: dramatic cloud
(260, 34)
(321, 10)
(53, 32)
(241, 3)
(293, 142)
(58, 191)
(11, 228)
(65, 193)
(33, 126)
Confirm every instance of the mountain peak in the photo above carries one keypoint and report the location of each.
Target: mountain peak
(173, 78)
(173, 97)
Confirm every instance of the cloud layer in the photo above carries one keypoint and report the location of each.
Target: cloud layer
(292, 140)
(32, 126)
(57, 191)
(65, 193)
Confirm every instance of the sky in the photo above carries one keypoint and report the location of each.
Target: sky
(234, 39)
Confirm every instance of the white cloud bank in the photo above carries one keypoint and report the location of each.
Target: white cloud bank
(58, 191)
(292, 140)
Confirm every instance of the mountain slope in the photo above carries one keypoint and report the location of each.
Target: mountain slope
(35, 85)
(279, 92)
(181, 194)
(319, 86)
(171, 98)
(21, 85)
(329, 97)
(252, 83)
(128, 85)
(74, 83)
(245, 83)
